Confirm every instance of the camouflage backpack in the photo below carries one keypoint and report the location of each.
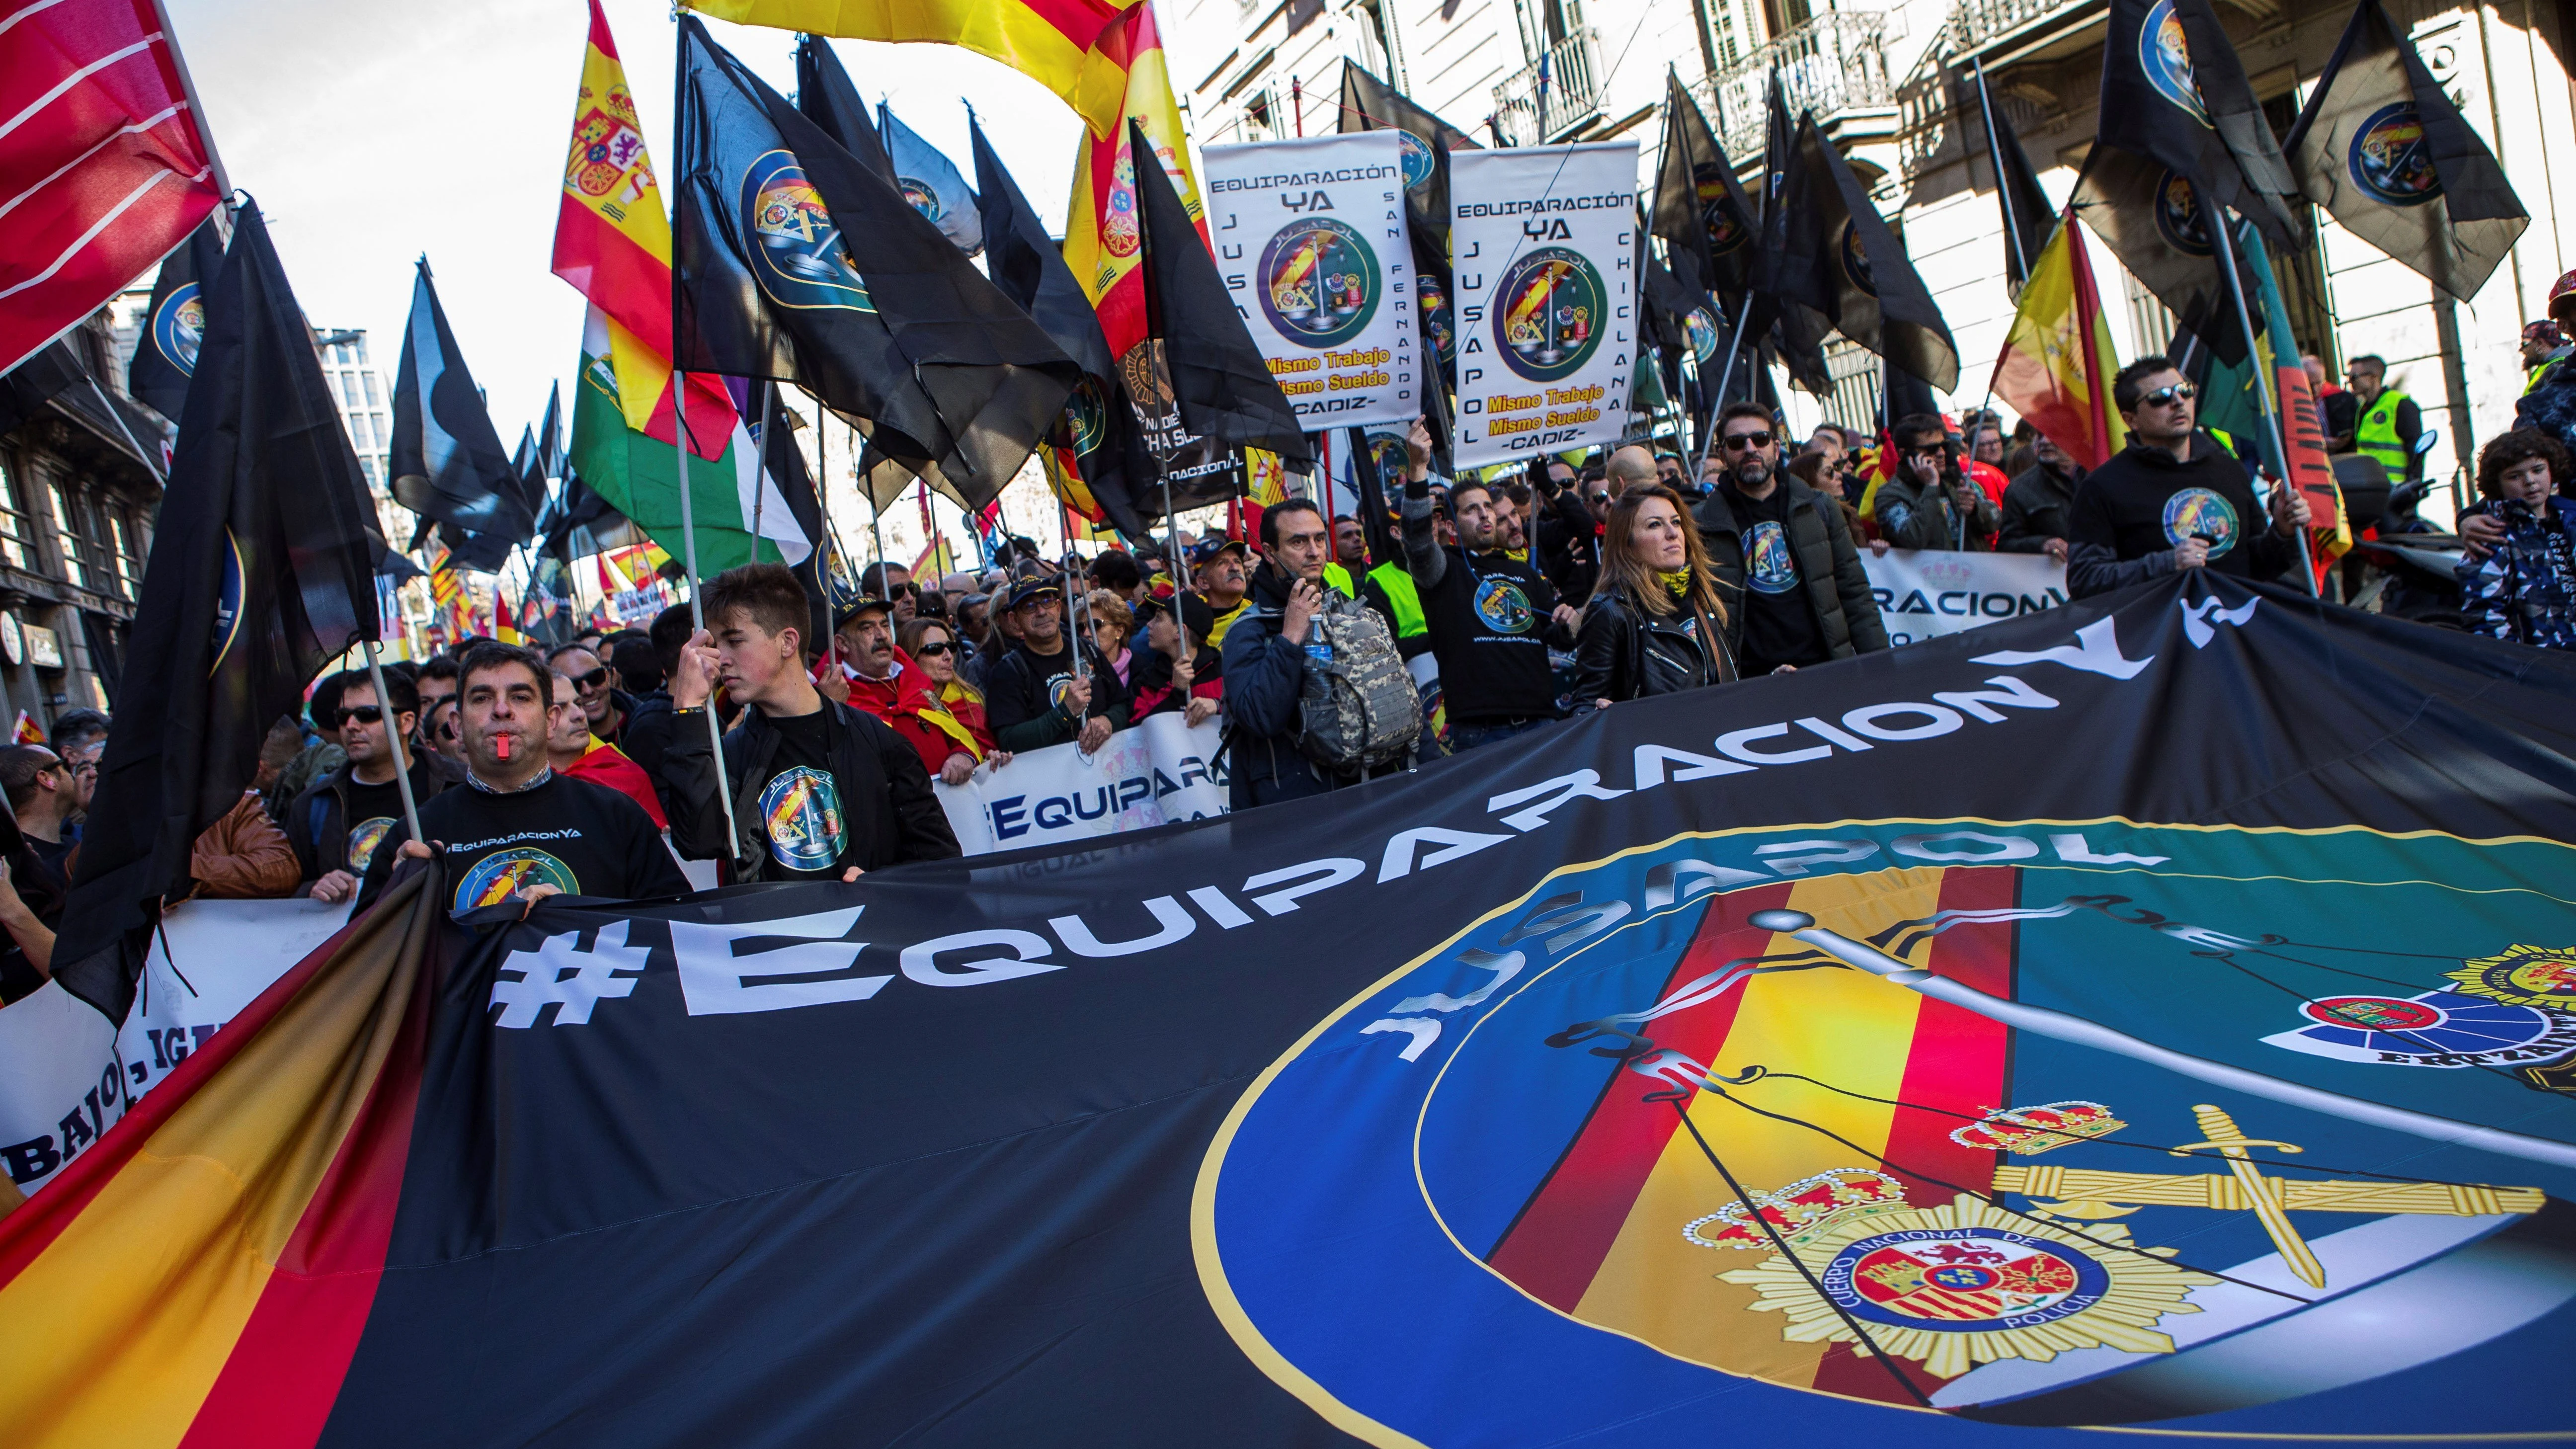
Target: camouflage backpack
(1358, 705)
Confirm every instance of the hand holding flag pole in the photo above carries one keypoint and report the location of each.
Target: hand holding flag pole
(2222, 227)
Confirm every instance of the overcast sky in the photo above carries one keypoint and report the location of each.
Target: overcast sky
(373, 132)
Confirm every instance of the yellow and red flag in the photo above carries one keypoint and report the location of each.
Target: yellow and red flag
(1103, 237)
(28, 732)
(2057, 362)
(1051, 41)
(613, 243)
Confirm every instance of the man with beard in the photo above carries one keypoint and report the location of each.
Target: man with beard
(2035, 506)
(516, 830)
(1786, 568)
(1491, 617)
(1050, 688)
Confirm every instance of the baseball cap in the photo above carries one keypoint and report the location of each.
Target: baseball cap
(1197, 615)
(863, 606)
(2562, 298)
(1209, 549)
(1036, 586)
(2543, 331)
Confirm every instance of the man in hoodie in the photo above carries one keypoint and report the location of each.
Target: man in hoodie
(1491, 617)
(337, 824)
(2173, 499)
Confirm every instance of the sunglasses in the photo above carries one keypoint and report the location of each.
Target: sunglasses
(933, 651)
(363, 714)
(1928, 450)
(2179, 392)
(593, 680)
(1738, 442)
(1600, 497)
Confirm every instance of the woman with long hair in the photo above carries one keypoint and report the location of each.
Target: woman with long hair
(931, 644)
(1655, 624)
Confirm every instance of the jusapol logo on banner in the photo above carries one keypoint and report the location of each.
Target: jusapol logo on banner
(1543, 244)
(1311, 238)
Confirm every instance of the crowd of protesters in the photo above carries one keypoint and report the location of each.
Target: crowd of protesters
(1508, 604)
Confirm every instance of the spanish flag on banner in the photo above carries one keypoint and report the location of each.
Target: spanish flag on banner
(613, 243)
(1103, 239)
(2057, 362)
(1054, 42)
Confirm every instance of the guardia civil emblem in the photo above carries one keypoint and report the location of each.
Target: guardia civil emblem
(2389, 159)
(796, 250)
(1416, 158)
(1548, 310)
(2179, 219)
(2164, 54)
(1855, 259)
(1319, 282)
(179, 327)
(2542, 976)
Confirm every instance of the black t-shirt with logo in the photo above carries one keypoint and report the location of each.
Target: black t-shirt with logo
(800, 804)
(1779, 619)
(1026, 685)
(374, 811)
(1488, 618)
(581, 838)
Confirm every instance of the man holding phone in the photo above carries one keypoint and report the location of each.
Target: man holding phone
(2173, 499)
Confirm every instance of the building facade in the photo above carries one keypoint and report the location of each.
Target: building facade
(1883, 84)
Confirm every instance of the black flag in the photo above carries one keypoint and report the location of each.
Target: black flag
(1370, 104)
(2384, 151)
(259, 576)
(1707, 222)
(2029, 219)
(882, 318)
(446, 460)
(2151, 218)
(828, 99)
(1847, 266)
(175, 324)
(1211, 368)
(1796, 333)
(2174, 91)
(1098, 430)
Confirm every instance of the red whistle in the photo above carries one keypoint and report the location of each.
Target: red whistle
(504, 745)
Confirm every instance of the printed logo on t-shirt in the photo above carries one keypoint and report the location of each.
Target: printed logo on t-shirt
(1056, 688)
(363, 840)
(503, 874)
(802, 808)
(2199, 513)
(1769, 566)
(1503, 607)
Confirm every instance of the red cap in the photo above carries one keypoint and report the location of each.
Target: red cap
(2562, 298)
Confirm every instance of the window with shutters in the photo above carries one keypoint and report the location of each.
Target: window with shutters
(14, 536)
(67, 537)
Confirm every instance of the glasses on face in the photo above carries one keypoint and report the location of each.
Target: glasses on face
(362, 714)
(2166, 396)
(1601, 497)
(935, 648)
(1738, 442)
(1927, 450)
(593, 680)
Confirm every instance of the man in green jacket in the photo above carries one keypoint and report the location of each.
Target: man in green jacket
(1787, 572)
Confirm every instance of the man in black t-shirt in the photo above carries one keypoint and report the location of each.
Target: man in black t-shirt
(1491, 617)
(2173, 499)
(516, 830)
(1036, 695)
(820, 791)
(1786, 569)
(338, 821)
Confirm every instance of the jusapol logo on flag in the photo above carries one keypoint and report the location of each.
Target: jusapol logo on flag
(2390, 161)
(797, 252)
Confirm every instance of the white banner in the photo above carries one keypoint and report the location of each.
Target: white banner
(1543, 245)
(66, 1076)
(1311, 238)
(1148, 775)
(1924, 594)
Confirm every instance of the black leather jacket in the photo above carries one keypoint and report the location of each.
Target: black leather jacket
(1623, 653)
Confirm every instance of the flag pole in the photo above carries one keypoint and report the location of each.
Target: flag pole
(2224, 230)
(684, 438)
(1995, 158)
(402, 747)
(1725, 376)
(829, 547)
(760, 469)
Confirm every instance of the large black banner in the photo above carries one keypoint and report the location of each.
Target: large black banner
(2157, 1012)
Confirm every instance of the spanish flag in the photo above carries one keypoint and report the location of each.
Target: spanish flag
(1054, 42)
(201, 1275)
(2057, 362)
(613, 243)
(1103, 236)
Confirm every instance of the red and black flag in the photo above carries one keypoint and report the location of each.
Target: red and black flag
(174, 325)
(2174, 92)
(1842, 263)
(2383, 150)
(446, 458)
(260, 574)
(799, 264)
(1099, 461)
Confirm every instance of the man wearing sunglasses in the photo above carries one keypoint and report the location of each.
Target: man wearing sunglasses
(1787, 571)
(892, 583)
(337, 823)
(1930, 503)
(2173, 499)
(595, 683)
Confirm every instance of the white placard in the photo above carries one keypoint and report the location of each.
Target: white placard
(1924, 594)
(1151, 774)
(1543, 252)
(1311, 239)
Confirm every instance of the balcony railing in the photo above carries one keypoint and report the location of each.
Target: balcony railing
(1835, 62)
(1975, 23)
(1553, 97)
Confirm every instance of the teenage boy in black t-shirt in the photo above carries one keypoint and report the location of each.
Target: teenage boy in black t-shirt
(515, 830)
(1036, 695)
(820, 791)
